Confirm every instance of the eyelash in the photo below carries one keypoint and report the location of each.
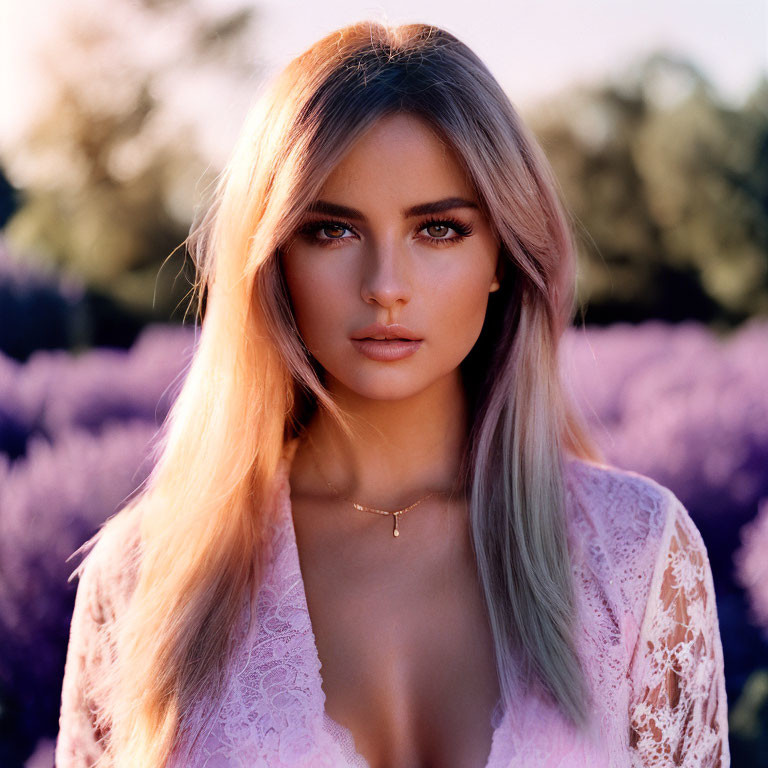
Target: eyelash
(462, 230)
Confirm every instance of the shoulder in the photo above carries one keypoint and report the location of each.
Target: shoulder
(107, 572)
(624, 507)
(621, 520)
(105, 582)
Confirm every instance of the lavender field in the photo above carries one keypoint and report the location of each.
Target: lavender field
(676, 403)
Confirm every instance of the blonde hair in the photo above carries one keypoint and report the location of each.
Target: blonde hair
(252, 384)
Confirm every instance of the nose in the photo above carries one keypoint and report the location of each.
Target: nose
(386, 275)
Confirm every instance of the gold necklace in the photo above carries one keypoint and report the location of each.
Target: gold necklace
(396, 514)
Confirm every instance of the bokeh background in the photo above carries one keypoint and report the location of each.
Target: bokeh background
(118, 114)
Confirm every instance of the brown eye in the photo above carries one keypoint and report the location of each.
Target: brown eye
(325, 233)
(333, 231)
(438, 230)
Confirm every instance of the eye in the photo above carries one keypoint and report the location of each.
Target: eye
(440, 228)
(327, 232)
(332, 231)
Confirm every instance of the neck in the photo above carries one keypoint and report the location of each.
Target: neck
(399, 450)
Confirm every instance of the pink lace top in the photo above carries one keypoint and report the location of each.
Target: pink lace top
(649, 641)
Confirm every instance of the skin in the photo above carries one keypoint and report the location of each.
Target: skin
(418, 685)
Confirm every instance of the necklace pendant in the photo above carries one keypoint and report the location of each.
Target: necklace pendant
(395, 532)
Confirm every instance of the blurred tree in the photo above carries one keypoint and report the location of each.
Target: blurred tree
(668, 187)
(747, 723)
(669, 191)
(111, 169)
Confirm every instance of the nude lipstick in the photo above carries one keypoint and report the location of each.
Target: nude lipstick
(386, 343)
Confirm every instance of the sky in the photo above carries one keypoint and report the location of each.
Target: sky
(534, 48)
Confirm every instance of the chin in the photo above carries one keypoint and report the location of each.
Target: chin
(382, 386)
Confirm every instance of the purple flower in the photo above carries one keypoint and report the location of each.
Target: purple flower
(751, 561)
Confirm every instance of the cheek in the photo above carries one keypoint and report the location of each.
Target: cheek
(458, 305)
(316, 301)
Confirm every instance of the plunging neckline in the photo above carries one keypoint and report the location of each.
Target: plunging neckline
(328, 724)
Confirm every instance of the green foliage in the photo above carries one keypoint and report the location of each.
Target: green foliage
(668, 188)
(746, 722)
(111, 169)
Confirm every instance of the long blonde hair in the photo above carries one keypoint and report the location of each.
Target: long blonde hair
(252, 384)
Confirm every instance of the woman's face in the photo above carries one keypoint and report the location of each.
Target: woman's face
(398, 237)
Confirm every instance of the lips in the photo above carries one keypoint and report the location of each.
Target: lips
(379, 331)
(386, 350)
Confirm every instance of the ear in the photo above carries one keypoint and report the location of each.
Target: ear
(496, 284)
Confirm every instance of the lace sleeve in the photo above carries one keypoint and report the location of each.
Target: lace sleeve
(678, 708)
(82, 730)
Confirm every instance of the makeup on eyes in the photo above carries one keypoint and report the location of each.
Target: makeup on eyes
(462, 230)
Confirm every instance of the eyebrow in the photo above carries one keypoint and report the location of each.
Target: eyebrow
(438, 206)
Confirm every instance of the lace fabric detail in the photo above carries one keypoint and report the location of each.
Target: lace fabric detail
(81, 739)
(678, 705)
(648, 639)
(657, 660)
(271, 715)
(346, 742)
(106, 579)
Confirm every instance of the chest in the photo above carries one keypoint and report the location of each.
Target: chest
(402, 635)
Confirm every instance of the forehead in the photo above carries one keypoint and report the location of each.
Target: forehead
(400, 157)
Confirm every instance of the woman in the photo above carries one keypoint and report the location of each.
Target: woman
(387, 272)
